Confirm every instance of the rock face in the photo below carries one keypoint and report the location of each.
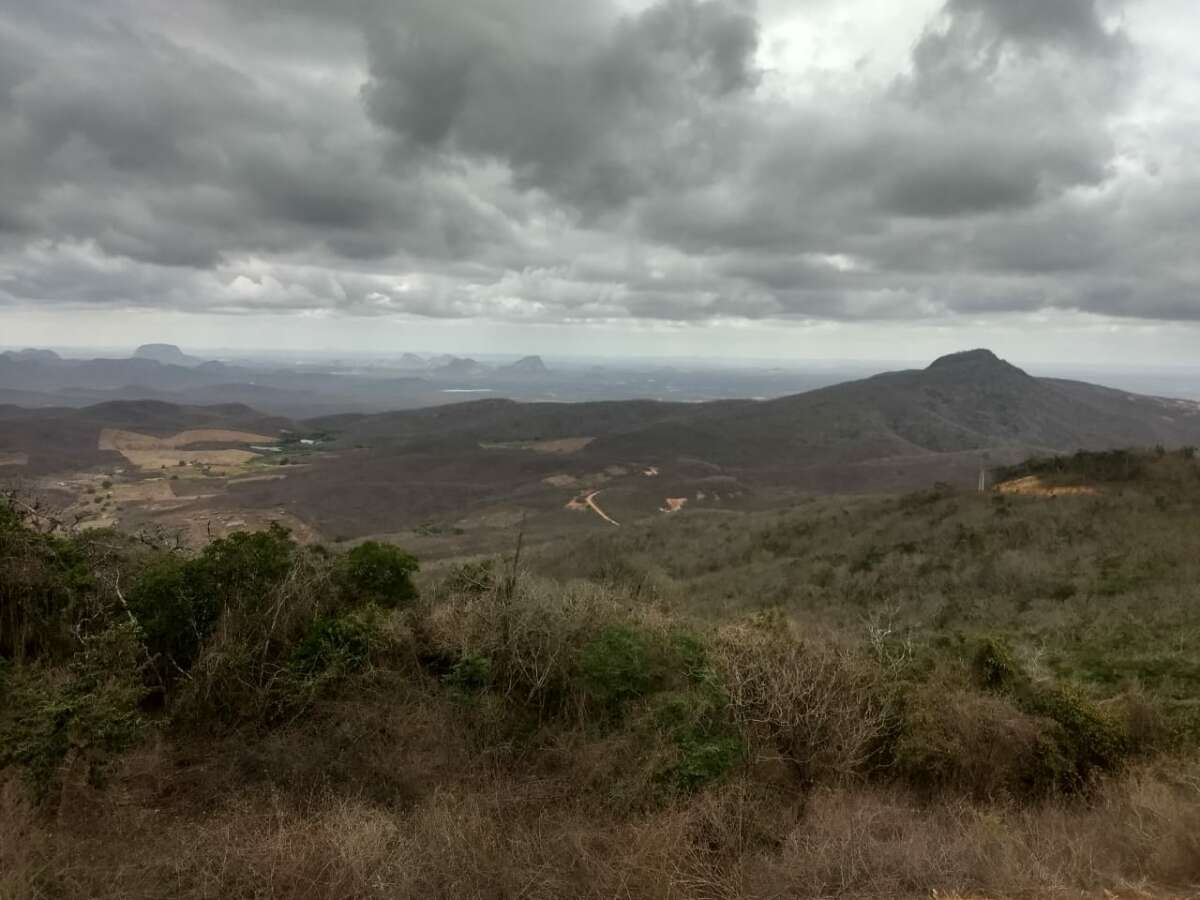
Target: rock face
(167, 354)
(528, 365)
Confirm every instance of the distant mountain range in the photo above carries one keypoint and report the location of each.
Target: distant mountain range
(35, 377)
(965, 402)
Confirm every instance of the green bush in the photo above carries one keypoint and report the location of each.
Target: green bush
(615, 667)
(379, 573)
(995, 666)
(1083, 739)
(471, 674)
(332, 644)
(704, 758)
(242, 568)
(88, 709)
(706, 745)
(176, 610)
(47, 590)
(1088, 739)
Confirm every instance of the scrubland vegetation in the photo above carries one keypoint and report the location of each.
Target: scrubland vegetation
(973, 694)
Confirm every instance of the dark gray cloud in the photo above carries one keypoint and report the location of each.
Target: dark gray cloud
(486, 159)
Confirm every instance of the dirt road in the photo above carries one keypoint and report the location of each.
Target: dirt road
(590, 500)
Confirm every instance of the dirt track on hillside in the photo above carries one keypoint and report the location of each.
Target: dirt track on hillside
(589, 502)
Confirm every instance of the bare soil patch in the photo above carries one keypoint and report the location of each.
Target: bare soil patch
(150, 460)
(13, 459)
(1033, 486)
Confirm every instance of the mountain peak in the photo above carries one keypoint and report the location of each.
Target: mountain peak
(166, 354)
(528, 365)
(973, 358)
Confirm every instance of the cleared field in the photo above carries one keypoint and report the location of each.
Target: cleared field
(561, 445)
(150, 491)
(150, 460)
(117, 439)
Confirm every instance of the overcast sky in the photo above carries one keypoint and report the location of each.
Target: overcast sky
(806, 178)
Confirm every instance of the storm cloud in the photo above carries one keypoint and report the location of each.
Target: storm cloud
(509, 160)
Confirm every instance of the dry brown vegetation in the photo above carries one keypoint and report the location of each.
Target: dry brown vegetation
(116, 439)
(401, 804)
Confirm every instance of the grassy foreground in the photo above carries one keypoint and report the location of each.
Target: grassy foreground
(919, 708)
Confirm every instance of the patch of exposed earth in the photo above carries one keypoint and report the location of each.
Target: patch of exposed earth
(1033, 486)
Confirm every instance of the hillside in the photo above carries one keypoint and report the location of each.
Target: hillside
(470, 470)
(969, 401)
(938, 694)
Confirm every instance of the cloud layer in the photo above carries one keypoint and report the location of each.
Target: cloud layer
(665, 161)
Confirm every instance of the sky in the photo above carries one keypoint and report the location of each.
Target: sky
(783, 179)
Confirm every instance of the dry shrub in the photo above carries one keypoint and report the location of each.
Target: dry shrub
(970, 742)
(531, 636)
(23, 844)
(242, 671)
(817, 705)
(1139, 833)
(492, 835)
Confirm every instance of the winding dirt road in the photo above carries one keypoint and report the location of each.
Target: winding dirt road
(590, 500)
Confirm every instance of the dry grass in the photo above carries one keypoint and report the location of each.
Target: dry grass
(151, 460)
(115, 439)
(515, 834)
(1033, 486)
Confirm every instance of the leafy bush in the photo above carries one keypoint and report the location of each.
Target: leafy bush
(47, 588)
(615, 667)
(1088, 739)
(88, 709)
(176, 610)
(243, 568)
(332, 644)
(379, 573)
(470, 675)
(1083, 739)
(995, 666)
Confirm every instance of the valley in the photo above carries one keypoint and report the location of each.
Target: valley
(451, 480)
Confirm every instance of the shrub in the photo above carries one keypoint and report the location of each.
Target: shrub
(379, 573)
(334, 644)
(47, 590)
(1083, 740)
(705, 743)
(995, 666)
(703, 758)
(955, 738)
(88, 709)
(1088, 739)
(470, 675)
(818, 706)
(243, 568)
(615, 667)
(176, 611)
